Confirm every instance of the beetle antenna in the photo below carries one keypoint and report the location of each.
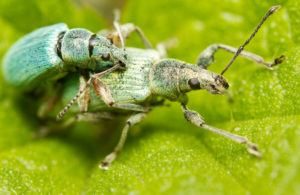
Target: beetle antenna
(63, 112)
(117, 26)
(240, 49)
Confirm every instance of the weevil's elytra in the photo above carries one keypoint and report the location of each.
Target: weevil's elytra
(148, 80)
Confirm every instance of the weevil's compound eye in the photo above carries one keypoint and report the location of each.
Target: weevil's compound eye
(105, 57)
(194, 83)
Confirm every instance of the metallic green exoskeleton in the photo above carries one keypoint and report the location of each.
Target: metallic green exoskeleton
(51, 52)
(149, 78)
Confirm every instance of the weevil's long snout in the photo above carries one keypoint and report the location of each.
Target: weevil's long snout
(204, 79)
(219, 86)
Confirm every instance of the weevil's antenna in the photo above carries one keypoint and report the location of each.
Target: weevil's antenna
(62, 113)
(266, 16)
(117, 26)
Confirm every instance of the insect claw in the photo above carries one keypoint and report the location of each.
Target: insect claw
(253, 149)
(278, 60)
(104, 165)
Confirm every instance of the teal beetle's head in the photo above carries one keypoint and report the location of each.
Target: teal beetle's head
(105, 53)
(171, 78)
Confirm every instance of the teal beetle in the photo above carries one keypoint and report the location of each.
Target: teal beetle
(51, 52)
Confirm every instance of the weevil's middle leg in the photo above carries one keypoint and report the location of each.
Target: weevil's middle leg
(125, 30)
(132, 120)
(207, 56)
(122, 32)
(194, 118)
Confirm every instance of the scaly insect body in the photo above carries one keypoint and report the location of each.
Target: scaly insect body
(148, 77)
(51, 52)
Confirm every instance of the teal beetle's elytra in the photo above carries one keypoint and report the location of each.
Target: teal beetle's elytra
(150, 78)
(51, 52)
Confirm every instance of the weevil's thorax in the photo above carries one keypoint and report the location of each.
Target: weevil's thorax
(132, 85)
(167, 78)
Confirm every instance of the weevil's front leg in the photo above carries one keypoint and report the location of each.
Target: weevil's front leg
(194, 118)
(207, 56)
(132, 120)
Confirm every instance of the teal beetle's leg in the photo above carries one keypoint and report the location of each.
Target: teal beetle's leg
(49, 99)
(84, 98)
(207, 56)
(195, 118)
(125, 30)
(84, 86)
(130, 106)
(94, 116)
(122, 32)
(132, 120)
(62, 127)
(129, 28)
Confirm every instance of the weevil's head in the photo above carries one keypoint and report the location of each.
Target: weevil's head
(171, 78)
(105, 53)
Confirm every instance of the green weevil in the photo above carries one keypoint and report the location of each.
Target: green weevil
(149, 76)
(49, 53)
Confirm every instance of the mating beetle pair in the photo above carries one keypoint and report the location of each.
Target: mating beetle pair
(128, 81)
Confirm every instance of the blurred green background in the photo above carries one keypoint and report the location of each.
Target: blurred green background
(164, 154)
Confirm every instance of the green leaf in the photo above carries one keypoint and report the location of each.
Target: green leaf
(165, 154)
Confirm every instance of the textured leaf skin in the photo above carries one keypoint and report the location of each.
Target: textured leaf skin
(164, 153)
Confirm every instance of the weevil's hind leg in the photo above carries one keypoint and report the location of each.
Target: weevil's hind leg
(50, 99)
(54, 127)
(207, 56)
(132, 120)
(194, 118)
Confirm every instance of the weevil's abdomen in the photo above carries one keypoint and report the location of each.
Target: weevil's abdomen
(34, 59)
